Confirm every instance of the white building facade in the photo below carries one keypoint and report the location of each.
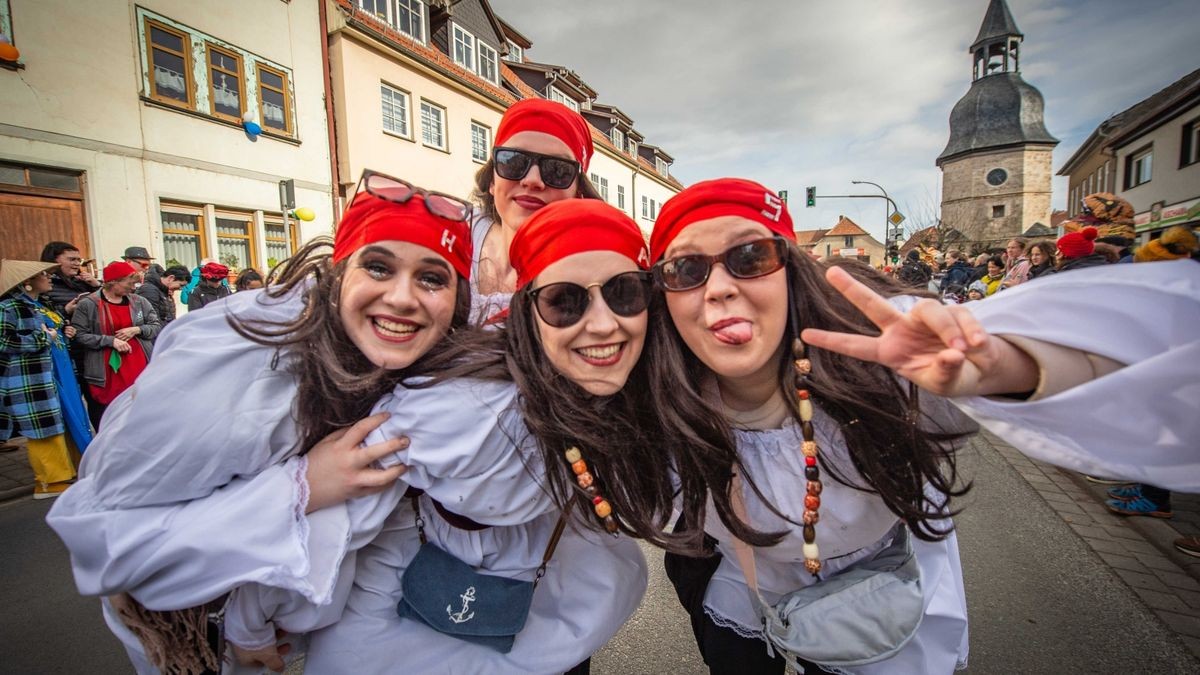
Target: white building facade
(123, 125)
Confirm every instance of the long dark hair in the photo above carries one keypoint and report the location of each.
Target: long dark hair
(337, 384)
(622, 437)
(894, 454)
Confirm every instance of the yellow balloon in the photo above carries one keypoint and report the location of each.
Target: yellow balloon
(304, 213)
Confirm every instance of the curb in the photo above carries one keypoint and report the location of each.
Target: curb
(1156, 531)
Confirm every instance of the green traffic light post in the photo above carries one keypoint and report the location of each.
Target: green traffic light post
(893, 215)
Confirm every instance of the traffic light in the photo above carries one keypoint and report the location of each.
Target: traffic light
(783, 196)
(810, 196)
(894, 253)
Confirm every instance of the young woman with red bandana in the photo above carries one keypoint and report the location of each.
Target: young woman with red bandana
(541, 156)
(806, 371)
(172, 512)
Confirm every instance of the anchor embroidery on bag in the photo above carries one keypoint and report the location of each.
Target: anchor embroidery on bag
(461, 616)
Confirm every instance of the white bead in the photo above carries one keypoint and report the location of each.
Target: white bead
(805, 410)
(811, 552)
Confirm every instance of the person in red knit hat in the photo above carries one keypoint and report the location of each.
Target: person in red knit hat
(116, 329)
(1077, 250)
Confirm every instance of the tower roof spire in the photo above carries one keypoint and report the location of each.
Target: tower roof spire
(998, 22)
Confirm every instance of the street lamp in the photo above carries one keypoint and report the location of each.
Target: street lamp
(887, 208)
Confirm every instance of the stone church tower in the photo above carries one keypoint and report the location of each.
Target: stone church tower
(996, 168)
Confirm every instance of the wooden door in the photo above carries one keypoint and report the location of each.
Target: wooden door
(29, 222)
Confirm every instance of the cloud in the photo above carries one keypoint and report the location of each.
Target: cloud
(822, 92)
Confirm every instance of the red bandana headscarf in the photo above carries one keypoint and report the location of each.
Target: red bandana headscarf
(549, 117)
(370, 219)
(572, 226)
(714, 199)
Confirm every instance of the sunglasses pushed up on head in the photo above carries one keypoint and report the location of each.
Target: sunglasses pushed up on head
(563, 304)
(745, 261)
(556, 172)
(400, 191)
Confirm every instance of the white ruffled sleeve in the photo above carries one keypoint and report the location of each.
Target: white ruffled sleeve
(1140, 422)
(469, 449)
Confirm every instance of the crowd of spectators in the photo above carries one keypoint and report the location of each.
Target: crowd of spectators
(73, 339)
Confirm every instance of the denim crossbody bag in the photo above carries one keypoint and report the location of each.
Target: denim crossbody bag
(865, 613)
(454, 598)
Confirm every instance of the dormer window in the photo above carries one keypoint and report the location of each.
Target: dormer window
(618, 138)
(463, 49)
(556, 95)
(489, 63)
(406, 16)
(660, 165)
(515, 53)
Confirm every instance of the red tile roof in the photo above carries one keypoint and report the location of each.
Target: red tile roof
(846, 228)
(809, 237)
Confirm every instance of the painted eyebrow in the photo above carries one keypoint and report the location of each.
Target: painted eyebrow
(377, 250)
(690, 248)
(437, 261)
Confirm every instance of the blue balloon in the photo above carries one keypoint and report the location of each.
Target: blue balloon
(252, 128)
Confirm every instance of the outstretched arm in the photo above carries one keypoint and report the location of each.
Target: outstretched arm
(940, 348)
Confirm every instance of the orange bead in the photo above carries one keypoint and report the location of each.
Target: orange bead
(603, 509)
(585, 479)
(812, 502)
(813, 566)
(814, 487)
(809, 448)
(579, 467)
(811, 517)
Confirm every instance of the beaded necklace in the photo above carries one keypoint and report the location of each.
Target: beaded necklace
(812, 472)
(588, 482)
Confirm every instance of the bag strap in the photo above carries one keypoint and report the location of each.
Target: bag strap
(551, 545)
(744, 553)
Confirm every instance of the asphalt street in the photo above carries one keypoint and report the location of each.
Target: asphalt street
(1040, 601)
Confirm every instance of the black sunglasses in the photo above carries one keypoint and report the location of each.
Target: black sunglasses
(564, 303)
(556, 172)
(399, 192)
(744, 261)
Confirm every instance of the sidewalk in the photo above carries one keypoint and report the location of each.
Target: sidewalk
(16, 478)
(1139, 549)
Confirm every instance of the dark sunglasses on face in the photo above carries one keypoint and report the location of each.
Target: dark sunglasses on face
(563, 304)
(399, 192)
(556, 172)
(744, 261)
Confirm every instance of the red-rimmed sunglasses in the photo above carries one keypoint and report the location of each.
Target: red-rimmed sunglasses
(400, 191)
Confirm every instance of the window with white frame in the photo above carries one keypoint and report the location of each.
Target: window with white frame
(433, 125)
(660, 165)
(1139, 167)
(489, 63)
(463, 48)
(645, 206)
(556, 95)
(621, 197)
(618, 138)
(410, 18)
(394, 103)
(1191, 144)
(653, 209)
(601, 185)
(1102, 177)
(406, 16)
(481, 142)
(632, 147)
(515, 53)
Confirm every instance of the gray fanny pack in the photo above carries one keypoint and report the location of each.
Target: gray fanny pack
(863, 614)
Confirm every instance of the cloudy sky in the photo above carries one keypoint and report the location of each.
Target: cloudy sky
(823, 92)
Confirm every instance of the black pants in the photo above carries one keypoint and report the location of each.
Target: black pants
(724, 651)
(1161, 497)
(95, 408)
(582, 669)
